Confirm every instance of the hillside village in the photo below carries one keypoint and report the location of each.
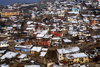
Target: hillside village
(56, 33)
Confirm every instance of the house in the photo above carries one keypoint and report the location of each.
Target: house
(35, 50)
(33, 16)
(40, 36)
(94, 21)
(46, 21)
(75, 9)
(2, 52)
(70, 27)
(77, 58)
(13, 18)
(63, 31)
(56, 32)
(25, 48)
(4, 44)
(9, 55)
(19, 40)
(32, 66)
(73, 33)
(56, 41)
(94, 28)
(3, 19)
(22, 57)
(42, 57)
(61, 53)
(67, 42)
(9, 12)
(61, 16)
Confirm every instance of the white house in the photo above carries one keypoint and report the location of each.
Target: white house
(4, 44)
(61, 53)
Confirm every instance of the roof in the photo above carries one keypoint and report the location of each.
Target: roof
(56, 38)
(67, 40)
(37, 49)
(29, 22)
(72, 32)
(45, 49)
(9, 54)
(77, 55)
(2, 51)
(47, 36)
(32, 66)
(73, 12)
(42, 54)
(42, 33)
(4, 65)
(22, 56)
(9, 10)
(3, 42)
(24, 46)
(68, 50)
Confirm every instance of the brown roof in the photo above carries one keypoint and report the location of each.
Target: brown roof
(63, 62)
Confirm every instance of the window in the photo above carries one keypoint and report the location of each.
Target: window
(81, 59)
(64, 55)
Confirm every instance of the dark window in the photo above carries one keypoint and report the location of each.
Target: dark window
(64, 55)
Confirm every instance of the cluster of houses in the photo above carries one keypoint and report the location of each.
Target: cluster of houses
(59, 27)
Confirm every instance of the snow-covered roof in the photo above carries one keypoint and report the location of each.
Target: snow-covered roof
(9, 54)
(29, 22)
(45, 49)
(9, 28)
(87, 15)
(68, 50)
(72, 32)
(24, 46)
(67, 40)
(3, 42)
(42, 33)
(13, 17)
(42, 54)
(47, 36)
(88, 3)
(22, 56)
(56, 38)
(53, 30)
(73, 12)
(96, 36)
(4, 65)
(2, 51)
(77, 55)
(74, 22)
(37, 49)
(30, 28)
(95, 27)
(32, 66)
(82, 66)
